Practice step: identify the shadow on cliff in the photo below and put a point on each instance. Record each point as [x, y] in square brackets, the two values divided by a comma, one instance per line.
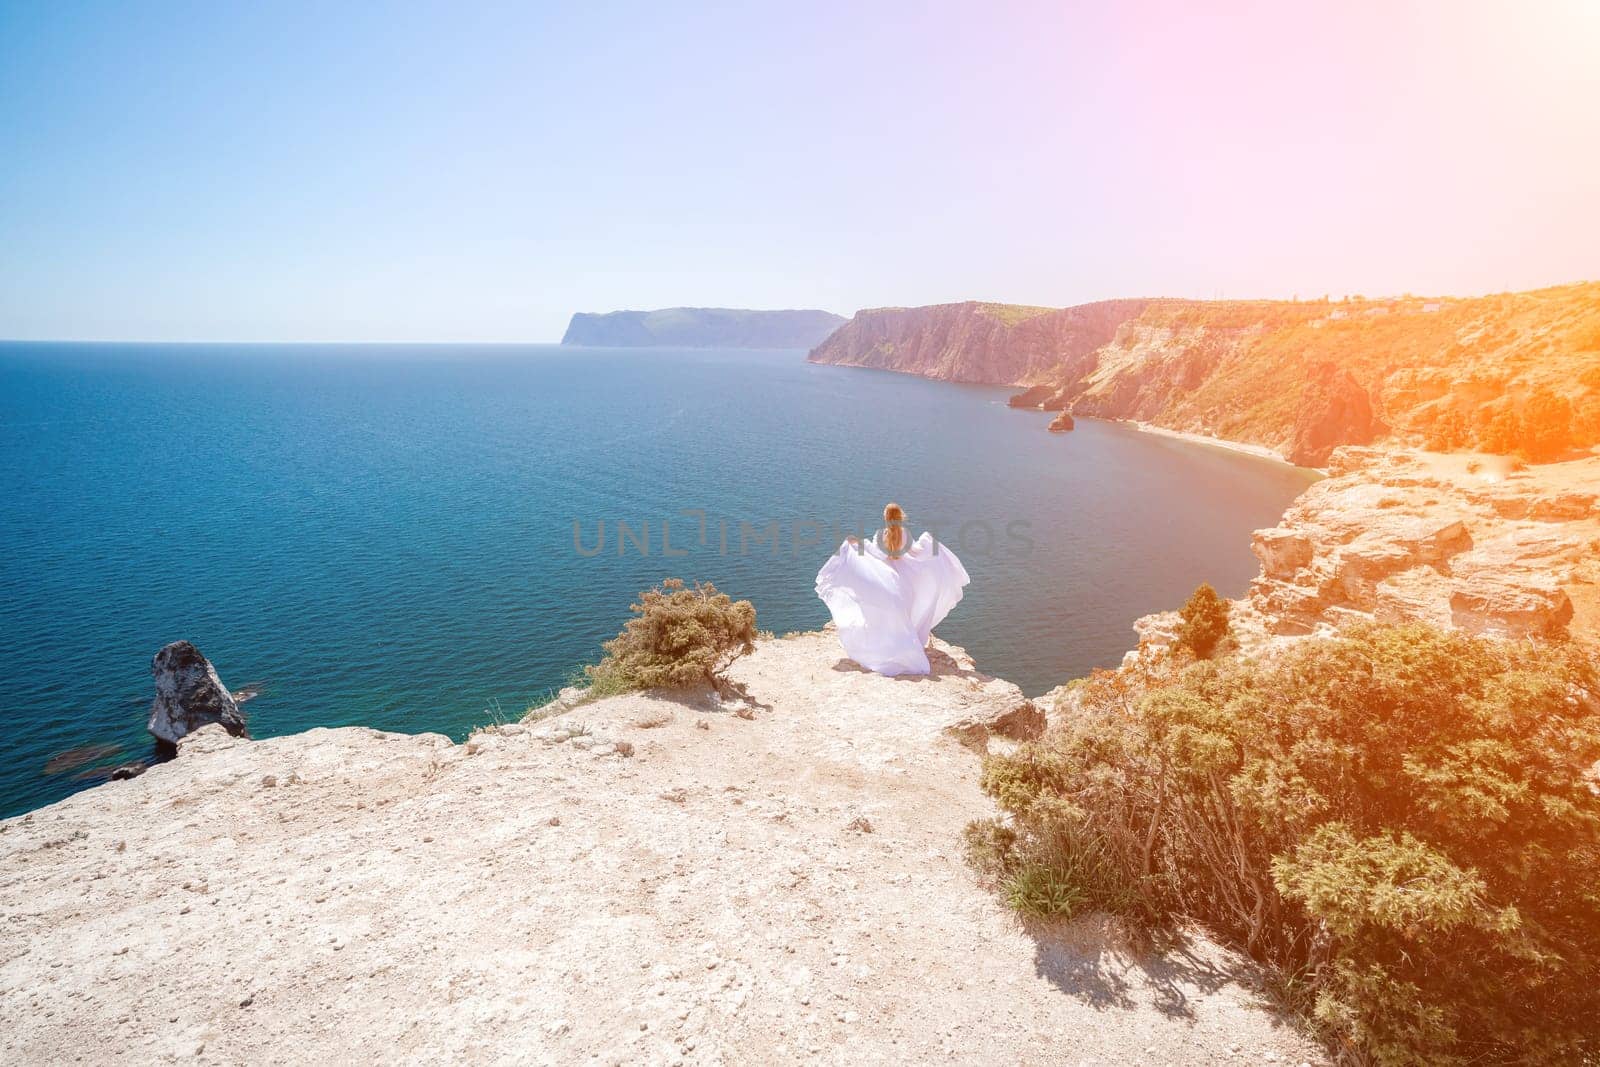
[726, 690]
[942, 664]
[1095, 959]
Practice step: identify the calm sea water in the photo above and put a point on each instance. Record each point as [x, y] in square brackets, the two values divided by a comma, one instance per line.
[383, 535]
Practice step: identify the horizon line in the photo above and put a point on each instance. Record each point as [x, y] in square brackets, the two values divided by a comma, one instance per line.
[1323, 298]
[227, 341]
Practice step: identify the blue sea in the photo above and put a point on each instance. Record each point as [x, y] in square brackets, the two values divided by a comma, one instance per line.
[384, 535]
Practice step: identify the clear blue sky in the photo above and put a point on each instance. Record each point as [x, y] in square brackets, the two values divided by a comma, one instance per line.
[478, 172]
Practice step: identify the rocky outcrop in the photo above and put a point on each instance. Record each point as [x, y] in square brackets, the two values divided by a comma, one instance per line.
[1062, 423]
[1334, 410]
[566, 698]
[989, 708]
[1021, 721]
[1458, 541]
[993, 344]
[1038, 398]
[639, 880]
[1283, 552]
[1512, 605]
[189, 695]
[702, 328]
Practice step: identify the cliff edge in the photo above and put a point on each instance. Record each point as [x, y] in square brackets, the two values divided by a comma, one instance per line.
[1459, 541]
[982, 343]
[639, 880]
[1472, 542]
[1511, 372]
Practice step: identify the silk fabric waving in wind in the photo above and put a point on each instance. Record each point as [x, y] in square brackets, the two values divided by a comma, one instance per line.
[885, 608]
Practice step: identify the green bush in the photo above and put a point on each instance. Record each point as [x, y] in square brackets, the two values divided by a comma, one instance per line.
[1546, 427]
[678, 637]
[1043, 891]
[1449, 432]
[1205, 621]
[1066, 873]
[1404, 820]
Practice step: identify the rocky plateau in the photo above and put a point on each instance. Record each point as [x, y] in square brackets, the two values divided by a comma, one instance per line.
[1474, 542]
[644, 879]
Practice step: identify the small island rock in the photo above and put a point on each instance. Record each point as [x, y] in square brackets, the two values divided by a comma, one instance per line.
[1061, 423]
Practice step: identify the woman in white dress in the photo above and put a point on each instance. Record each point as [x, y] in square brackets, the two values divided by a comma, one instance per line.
[887, 596]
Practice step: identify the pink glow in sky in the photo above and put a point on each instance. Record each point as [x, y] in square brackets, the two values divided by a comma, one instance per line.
[450, 172]
[1377, 147]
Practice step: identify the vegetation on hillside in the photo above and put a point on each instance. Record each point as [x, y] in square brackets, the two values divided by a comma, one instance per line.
[1011, 314]
[1515, 373]
[1403, 820]
[678, 636]
[975, 341]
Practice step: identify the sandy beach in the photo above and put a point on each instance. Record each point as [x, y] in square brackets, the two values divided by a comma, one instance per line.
[1260, 451]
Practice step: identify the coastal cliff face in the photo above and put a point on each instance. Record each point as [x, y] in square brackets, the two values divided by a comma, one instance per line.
[1511, 372]
[1458, 541]
[637, 880]
[1468, 542]
[702, 328]
[1304, 378]
[991, 344]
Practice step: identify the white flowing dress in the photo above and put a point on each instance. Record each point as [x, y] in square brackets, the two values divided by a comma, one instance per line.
[885, 608]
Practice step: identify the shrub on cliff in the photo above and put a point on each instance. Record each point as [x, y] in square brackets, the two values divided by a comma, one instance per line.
[1500, 431]
[1449, 431]
[1546, 427]
[1543, 430]
[1404, 820]
[1586, 421]
[678, 637]
[1204, 621]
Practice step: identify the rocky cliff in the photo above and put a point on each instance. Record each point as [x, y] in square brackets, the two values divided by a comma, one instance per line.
[638, 880]
[1458, 541]
[702, 328]
[1515, 372]
[1471, 542]
[993, 344]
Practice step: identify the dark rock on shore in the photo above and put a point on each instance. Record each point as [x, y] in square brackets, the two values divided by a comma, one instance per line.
[1035, 398]
[1061, 423]
[74, 758]
[189, 695]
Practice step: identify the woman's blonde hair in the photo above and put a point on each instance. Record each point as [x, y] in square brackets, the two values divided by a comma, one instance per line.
[894, 534]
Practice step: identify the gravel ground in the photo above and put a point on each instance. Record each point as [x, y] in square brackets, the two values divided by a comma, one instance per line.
[782, 887]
